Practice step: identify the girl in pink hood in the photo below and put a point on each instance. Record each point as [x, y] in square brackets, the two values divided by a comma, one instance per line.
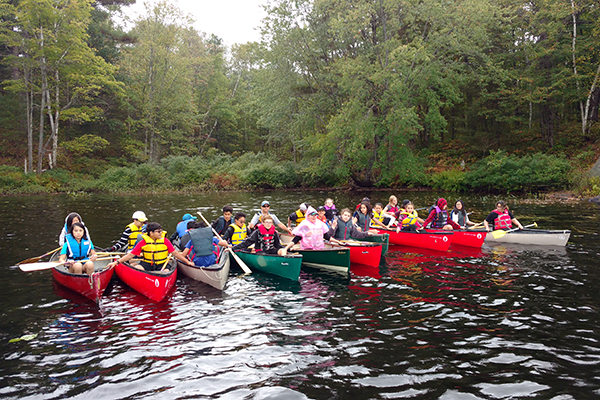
[310, 233]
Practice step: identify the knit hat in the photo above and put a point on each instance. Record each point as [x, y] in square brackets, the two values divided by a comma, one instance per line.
[441, 203]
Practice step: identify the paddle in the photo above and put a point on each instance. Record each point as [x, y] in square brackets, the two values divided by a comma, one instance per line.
[166, 262]
[50, 264]
[473, 226]
[237, 258]
[497, 234]
[36, 259]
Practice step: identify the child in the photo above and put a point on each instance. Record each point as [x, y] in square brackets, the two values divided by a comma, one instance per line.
[439, 218]
[459, 215]
[78, 248]
[265, 239]
[390, 211]
[342, 228]
[330, 211]
[321, 210]
[378, 215]
[408, 219]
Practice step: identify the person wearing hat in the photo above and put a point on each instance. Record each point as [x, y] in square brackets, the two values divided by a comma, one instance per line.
[130, 234]
[297, 216]
[182, 226]
[311, 233]
[265, 206]
[322, 211]
[439, 218]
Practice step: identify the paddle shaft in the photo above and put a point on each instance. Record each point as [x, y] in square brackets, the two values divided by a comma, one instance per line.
[51, 264]
[167, 262]
[497, 234]
[237, 258]
[36, 259]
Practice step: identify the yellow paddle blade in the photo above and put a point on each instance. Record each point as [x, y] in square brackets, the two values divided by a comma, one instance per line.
[498, 234]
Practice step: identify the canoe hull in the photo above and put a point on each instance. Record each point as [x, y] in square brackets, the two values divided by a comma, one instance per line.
[427, 240]
[365, 253]
[216, 275]
[464, 238]
[384, 240]
[154, 285]
[284, 266]
[332, 258]
[91, 287]
[537, 237]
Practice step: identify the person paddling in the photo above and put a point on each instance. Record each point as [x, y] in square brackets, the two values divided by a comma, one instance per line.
[130, 234]
[501, 218]
[154, 249]
[78, 251]
[69, 221]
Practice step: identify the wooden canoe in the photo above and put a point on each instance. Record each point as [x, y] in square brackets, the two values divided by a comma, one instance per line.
[539, 237]
[91, 287]
[153, 284]
[468, 238]
[428, 240]
[287, 266]
[215, 275]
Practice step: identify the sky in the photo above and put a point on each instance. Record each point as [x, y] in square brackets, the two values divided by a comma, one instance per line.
[234, 21]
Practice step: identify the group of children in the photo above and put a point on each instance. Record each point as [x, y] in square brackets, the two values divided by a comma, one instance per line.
[148, 241]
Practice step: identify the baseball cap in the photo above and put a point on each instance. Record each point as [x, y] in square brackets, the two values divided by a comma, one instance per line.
[140, 216]
[265, 203]
[187, 217]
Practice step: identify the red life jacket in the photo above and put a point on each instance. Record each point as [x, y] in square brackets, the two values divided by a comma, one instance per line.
[502, 221]
[267, 237]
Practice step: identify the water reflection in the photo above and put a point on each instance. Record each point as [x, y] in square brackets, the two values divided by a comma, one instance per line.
[496, 323]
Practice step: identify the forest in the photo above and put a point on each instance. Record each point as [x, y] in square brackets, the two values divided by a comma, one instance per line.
[464, 95]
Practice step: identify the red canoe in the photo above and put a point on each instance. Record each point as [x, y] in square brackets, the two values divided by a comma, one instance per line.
[427, 240]
[153, 284]
[465, 238]
[91, 287]
[364, 253]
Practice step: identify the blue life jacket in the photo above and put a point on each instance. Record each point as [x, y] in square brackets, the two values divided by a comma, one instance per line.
[78, 250]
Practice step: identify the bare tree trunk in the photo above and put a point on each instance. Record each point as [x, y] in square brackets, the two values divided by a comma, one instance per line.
[587, 121]
[41, 130]
[29, 105]
[574, 40]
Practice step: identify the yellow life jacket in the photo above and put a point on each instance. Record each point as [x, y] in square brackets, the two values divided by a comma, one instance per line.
[300, 216]
[378, 216]
[154, 252]
[408, 218]
[239, 234]
[135, 232]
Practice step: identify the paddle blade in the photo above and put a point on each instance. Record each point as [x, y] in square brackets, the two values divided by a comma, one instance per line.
[39, 266]
[498, 234]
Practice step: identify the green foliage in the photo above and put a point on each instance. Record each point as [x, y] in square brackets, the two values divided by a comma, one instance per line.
[85, 144]
[500, 172]
[450, 181]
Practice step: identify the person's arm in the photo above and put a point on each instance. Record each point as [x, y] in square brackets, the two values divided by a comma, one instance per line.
[430, 218]
[63, 253]
[295, 240]
[515, 221]
[253, 222]
[123, 240]
[489, 220]
[356, 234]
[284, 228]
[378, 223]
[249, 241]
[228, 233]
[93, 254]
[453, 224]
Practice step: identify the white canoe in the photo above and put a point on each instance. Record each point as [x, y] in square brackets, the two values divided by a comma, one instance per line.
[216, 275]
[538, 237]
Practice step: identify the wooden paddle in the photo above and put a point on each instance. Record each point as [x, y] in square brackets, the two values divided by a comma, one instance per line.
[166, 262]
[237, 258]
[473, 226]
[50, 264]
[497, 234]
[36, 259]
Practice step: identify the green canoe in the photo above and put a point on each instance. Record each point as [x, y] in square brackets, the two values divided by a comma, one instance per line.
[285, 266]
[332, 258]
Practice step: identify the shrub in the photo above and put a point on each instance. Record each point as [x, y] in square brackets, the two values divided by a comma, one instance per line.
[450, 181]
[500, 172]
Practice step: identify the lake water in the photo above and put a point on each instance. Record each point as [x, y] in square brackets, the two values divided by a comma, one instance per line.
[504, 322]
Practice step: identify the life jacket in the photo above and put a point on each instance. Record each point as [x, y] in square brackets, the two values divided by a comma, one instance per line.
[266, 238]
[460, 217]
[502, 221]
[364, 221]
[78, 250]
[239, 234]
[407, 218]
[300, 216]
[220, 225]
[344, 230]
[154, 252]
[441, 218]
[378, 216]
[135, 232]
[202, 240]
[330, 212]
[393, 209]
